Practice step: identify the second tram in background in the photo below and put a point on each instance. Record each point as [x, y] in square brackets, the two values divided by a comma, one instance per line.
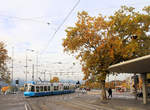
[45, 89]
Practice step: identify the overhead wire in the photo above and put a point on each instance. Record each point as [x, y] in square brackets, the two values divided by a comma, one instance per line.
[34, 20]
[23, 19]
[58, 28]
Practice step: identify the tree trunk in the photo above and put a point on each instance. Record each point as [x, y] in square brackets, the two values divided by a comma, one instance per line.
[103, 92]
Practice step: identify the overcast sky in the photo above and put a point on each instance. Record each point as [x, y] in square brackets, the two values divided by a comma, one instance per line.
[31, 24]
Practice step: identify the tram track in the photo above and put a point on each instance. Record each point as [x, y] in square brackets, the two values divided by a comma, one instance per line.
[84, 106]
[27, 106]
[101, 107]
[36, 103]
[64, 102]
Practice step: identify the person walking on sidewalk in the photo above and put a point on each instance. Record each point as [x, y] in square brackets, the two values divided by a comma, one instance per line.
[109, 92]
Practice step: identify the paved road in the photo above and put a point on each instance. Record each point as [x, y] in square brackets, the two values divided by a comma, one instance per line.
[65, 102]
[12, 102]
[123, 95]
[75, 101]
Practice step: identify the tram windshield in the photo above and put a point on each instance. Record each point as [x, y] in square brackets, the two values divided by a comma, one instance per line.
[25, 87]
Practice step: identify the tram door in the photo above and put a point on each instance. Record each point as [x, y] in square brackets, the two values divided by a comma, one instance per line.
[61, 87]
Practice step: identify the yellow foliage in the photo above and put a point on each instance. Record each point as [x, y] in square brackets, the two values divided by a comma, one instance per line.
[5, 75]
[54, 80]
[21, 88]
[100, 42]
[4, 89]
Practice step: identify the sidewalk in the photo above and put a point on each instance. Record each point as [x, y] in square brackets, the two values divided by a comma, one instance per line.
[125, 104]
[121, 101]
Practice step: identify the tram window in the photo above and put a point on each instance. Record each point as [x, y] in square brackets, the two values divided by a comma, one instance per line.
[41, 88]
[66, 87]
[45, 88]
[48, 88]
[32, 88]
[55, 87]
[37, 88]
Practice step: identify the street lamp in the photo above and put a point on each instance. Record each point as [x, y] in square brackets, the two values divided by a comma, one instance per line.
[27, 61]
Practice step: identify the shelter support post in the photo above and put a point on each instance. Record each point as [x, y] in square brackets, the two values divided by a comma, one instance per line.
[144, 88]
[135, 86]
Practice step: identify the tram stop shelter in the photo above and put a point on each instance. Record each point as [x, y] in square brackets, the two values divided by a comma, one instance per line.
[139, 65]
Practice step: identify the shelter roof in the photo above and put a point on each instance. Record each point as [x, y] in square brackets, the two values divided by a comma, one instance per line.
[137, 65]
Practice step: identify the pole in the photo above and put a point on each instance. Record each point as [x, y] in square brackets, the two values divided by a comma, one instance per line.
[144, 88]
[50, 76]
[33, 72]
[26, 66]
[12, 63]
[135, 86]
[37, 66]
[108, 81]
[115, 82]
[44, 76]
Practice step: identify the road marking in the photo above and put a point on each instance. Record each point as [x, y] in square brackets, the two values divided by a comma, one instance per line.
[25, 106]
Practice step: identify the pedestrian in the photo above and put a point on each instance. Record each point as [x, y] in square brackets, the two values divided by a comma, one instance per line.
[109, 92]
[83, 90]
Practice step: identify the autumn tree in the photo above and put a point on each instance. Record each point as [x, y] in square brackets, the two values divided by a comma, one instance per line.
[99, 42]
[132, 29]
[54, 80]
[4, 74]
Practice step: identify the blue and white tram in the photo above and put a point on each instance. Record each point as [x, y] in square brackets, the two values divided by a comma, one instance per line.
[33, 89]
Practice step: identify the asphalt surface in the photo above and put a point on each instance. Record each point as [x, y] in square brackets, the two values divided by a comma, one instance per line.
[74, 101]
[12, 102]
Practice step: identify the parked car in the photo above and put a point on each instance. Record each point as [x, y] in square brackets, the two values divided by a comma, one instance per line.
[88, 89]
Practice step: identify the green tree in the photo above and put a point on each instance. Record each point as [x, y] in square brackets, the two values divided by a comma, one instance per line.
[99, 42]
